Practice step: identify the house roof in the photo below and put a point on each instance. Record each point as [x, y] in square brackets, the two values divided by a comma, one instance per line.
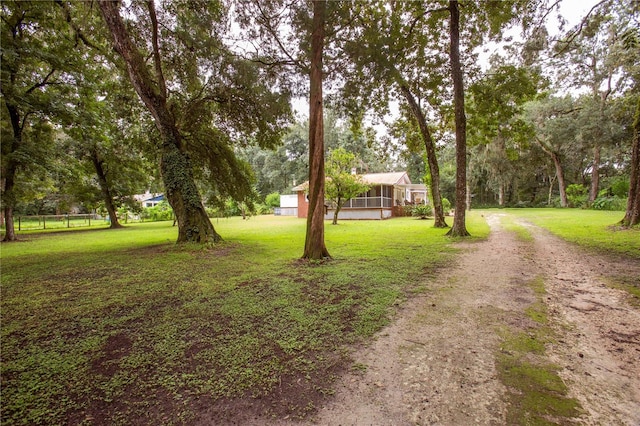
[156, 198]
[390, 178]
[301, 187]
[148, 196]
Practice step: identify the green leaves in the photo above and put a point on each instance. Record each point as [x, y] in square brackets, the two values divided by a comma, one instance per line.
[342, 184]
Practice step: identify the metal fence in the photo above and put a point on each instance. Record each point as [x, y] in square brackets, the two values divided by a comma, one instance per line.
[27, 223]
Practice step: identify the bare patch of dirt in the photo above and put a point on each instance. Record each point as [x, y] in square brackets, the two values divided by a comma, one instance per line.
[435, 364]
[294, 398]
[115, 348]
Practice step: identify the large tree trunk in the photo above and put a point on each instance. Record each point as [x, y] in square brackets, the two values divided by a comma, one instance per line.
[183, 196]
[459, 228]
[8, 200]
[632, 215]
[104, 189]
[177, 174]
[10, 231]
[432, 160]
[9, 175]
[314, 247]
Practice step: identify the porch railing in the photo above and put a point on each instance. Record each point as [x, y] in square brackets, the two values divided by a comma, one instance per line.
[368, 202]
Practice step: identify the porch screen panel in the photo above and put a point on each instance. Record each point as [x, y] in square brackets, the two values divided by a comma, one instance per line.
[374, 202]
[359, 203]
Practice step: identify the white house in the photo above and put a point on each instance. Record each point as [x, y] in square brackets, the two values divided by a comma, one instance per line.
[388, 194]
[288, 205]
[148, 199]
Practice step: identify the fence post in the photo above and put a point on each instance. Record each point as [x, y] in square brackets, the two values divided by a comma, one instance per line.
[68, 226]
[44, 222]
[89, 220]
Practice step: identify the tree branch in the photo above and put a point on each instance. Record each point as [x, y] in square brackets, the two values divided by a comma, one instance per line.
[42, 83]
[572, 35]
[347, 24]
[266, 19]
[422, 15]
[156, 49]
[79, 33]
[24, 119]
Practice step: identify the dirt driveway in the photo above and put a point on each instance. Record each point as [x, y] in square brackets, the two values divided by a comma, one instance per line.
[436, 363]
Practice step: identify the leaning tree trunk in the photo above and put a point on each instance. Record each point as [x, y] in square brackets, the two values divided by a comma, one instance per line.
[632, 214]
[104, 189]
[459, 228]
[314, 247]
[182, 194]
[177, 174]
[432, 160]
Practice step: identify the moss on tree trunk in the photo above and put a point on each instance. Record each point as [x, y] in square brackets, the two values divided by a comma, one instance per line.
[180, 188]
[183, 196]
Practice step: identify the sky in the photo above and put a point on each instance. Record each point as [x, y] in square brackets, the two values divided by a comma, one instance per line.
[573, 12]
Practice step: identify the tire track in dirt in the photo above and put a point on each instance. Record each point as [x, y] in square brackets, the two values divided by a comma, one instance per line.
[600, 348]
[434, 365]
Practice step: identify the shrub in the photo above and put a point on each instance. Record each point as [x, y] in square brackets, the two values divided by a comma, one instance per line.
[421, 211]
[272, 200]
[446, 205]
[620, 187]
[407, 210]
[161, 211]
[610, 203]
[577, 195]
[264, 208]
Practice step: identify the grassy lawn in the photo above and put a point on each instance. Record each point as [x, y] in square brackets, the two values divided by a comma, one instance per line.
[589, 228]
[122, 326]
